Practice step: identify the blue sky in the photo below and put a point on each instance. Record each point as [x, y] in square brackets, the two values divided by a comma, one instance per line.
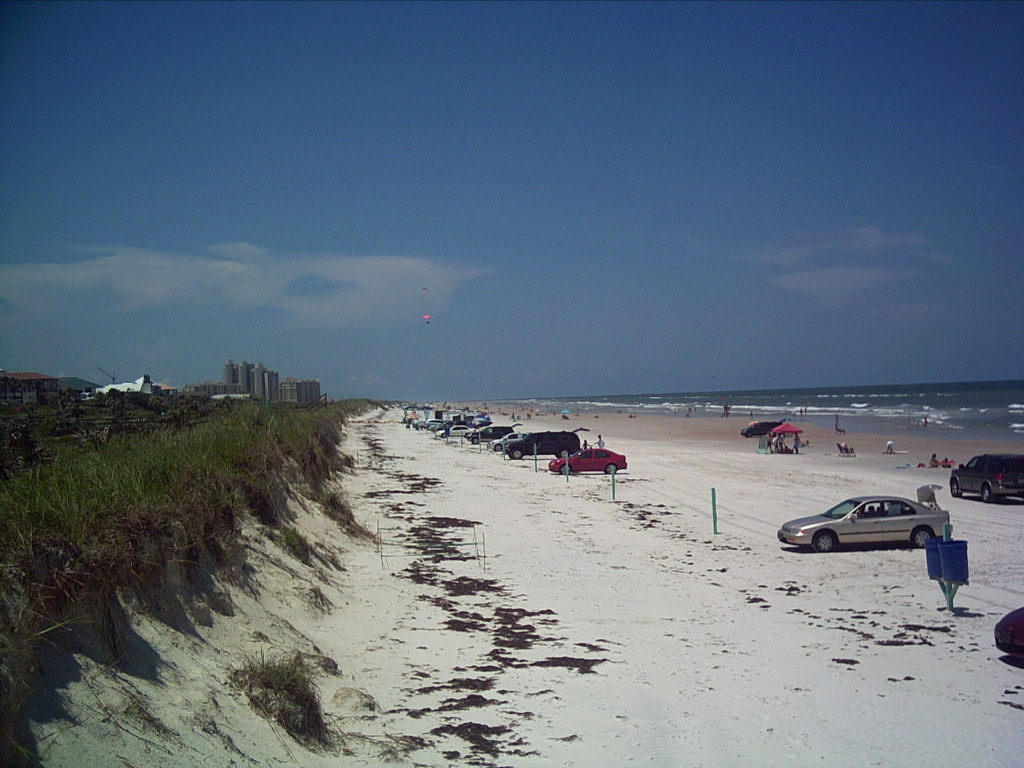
[586, 198]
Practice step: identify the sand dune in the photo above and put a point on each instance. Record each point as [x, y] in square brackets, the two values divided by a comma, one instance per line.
[600, 632]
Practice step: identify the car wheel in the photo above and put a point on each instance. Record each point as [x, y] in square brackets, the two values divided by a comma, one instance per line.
[497, 448]
[954, 488]
[824, 541]
[517, 454]
[610, 469]
[920, 536]
[986, 493]
[475, 440]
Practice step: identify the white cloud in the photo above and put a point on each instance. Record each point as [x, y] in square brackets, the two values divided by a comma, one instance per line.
[840, 286]
[904, 313]
[873, 239]
[845, 243]
[323, 289]
[237, 250]
[783, 256]
[849, 265]
[941, 258]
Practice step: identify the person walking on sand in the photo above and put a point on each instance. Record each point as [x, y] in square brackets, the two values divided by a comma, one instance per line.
[600, 442]
[888, 446]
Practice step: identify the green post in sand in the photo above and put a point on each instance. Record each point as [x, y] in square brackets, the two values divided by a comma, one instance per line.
[534, 455]
[714, 511]
[614, 472]
[567, 469]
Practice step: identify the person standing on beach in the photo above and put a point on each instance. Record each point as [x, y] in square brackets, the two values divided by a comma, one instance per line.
[600, 442]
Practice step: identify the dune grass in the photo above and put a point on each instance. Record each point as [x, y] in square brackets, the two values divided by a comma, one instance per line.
[113, 515]
[282, 689]
[93, 502]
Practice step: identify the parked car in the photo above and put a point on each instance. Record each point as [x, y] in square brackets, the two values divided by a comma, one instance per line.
[1010, 633]
[430, 425]
[591, 460]
[498, 446]
[488, 433]
[543, 443]
[758, 428]
[454, 430]
[992, 475]
[869, 519]
[481, 421]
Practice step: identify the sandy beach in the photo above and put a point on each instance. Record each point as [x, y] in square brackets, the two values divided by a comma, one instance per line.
[512, 617]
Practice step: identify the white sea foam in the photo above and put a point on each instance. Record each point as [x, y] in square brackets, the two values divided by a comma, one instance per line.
[954, 409]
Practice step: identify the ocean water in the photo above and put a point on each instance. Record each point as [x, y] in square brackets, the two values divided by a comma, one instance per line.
[969, 410]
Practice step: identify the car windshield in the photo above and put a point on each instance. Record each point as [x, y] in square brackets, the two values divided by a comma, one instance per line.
[841, 510]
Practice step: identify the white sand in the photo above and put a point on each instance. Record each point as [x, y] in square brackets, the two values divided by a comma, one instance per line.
[702, 649]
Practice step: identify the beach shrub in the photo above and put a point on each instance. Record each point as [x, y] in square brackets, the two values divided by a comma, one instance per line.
[282, 689]
[296, 543]
[339, 510]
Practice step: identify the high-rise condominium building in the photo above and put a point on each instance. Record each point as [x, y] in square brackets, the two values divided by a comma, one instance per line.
[300, 391]
[255, 379]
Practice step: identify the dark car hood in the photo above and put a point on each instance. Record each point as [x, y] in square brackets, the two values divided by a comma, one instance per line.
[1015, 618]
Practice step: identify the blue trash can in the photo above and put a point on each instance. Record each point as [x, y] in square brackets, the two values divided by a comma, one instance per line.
[931, 554]
[953, 557]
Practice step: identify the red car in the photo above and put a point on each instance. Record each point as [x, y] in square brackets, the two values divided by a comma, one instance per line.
[591, 460]
[1010, 633]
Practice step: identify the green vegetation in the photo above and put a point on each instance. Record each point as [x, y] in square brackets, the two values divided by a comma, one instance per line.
[297, 544]
[338, 509]
[283, 690]
[84, 518]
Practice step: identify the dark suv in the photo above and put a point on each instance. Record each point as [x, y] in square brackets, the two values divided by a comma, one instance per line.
[553, 443]
[991, 474]
[488, 433]
[758, 428]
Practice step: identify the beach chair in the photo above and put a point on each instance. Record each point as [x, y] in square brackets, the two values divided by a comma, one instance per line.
[845, 450]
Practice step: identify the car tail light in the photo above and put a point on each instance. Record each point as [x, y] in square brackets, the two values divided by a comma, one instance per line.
[999, 477]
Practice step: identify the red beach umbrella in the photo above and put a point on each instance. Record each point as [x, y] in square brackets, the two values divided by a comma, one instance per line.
[786, 429]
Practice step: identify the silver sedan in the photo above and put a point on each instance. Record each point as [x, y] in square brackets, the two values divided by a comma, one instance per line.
[869, 519]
